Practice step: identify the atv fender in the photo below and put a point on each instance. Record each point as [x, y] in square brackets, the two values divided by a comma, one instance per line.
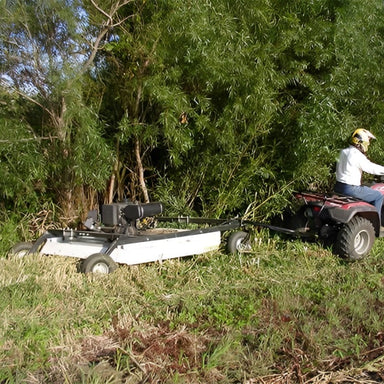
[362, 209]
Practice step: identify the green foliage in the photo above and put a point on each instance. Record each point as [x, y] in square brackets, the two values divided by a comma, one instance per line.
[261, 89]
[59, 142]
[50, 29]
[12, 229]
[22, 168]
[221, 105]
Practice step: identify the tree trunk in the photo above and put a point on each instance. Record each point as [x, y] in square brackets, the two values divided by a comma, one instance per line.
[112, 182]
[140, 170]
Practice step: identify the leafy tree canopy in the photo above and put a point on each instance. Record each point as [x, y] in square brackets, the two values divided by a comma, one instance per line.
[212, 106]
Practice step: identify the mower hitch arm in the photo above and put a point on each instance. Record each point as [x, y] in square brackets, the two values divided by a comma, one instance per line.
[274, 228]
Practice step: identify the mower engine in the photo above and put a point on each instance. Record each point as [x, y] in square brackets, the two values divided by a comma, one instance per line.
[123, 217]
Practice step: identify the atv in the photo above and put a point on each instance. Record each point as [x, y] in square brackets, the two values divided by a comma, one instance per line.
[347, 224]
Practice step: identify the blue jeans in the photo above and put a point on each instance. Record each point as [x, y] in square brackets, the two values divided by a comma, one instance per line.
[367, 194]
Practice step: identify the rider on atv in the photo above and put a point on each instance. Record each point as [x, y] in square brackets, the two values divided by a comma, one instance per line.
[350, 166]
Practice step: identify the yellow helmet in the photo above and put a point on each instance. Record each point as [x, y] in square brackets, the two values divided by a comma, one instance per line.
[361, 138]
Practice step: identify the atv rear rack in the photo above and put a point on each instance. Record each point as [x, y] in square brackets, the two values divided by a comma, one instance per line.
[334, 198]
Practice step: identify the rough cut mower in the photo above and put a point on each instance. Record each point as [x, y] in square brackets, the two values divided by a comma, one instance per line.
[116, 236]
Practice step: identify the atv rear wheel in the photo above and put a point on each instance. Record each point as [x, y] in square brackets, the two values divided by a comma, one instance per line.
[238, 242]
[355, 239]
[98, 263]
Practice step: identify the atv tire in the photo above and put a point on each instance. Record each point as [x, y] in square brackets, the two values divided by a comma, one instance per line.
[98, 263]
[355, 239]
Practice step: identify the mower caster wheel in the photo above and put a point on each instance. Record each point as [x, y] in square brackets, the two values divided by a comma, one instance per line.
[98, 263]
[238, 242]
[20, 250]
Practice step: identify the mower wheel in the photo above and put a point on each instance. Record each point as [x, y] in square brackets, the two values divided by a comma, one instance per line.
[98, 263]
[355, 239]
[20, 249]
[238, 242]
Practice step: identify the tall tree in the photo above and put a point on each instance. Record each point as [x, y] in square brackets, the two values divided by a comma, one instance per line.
[47, 50]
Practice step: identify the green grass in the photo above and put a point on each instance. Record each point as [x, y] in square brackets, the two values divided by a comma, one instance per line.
[288, 308]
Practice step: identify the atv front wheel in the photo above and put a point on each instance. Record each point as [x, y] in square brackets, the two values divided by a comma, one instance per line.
[98, 263]
[355, 239]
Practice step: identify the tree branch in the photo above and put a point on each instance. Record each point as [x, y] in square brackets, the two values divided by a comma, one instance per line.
[107, 25]
[102, 11]
[29, 139]
[32, 100]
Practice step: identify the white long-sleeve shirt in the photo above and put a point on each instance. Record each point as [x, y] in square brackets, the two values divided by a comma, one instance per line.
[352, 163]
